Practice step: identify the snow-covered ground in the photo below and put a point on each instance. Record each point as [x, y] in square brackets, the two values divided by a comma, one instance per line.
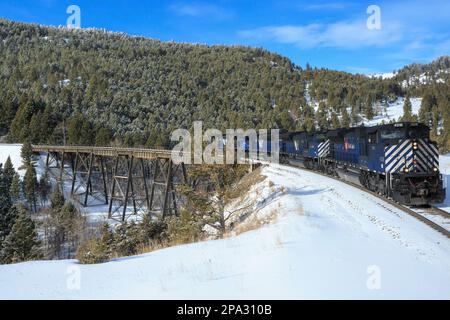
[387, 75]
[329, 240]
[12, 151]
[425, 78]
[394, 110]
[384, 114]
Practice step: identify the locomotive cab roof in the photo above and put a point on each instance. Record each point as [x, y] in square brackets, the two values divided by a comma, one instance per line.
[410, 129]
[399, 125]
[401, 130]
[340, 133]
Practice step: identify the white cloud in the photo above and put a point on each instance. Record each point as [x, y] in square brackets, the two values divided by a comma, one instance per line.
[344, 34]
[200, 10]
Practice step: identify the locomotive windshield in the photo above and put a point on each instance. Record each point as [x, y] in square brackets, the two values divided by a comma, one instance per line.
[417, 133]
[393, 133]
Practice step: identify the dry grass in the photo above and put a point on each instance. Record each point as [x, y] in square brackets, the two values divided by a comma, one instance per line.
[253, 223]
[157, 245]
[245, 184]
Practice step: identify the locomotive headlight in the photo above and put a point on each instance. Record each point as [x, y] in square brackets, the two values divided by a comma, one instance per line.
[415, 146]
[406, 170]
[435, 169]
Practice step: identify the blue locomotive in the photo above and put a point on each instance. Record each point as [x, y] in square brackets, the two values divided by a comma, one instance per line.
[398, 160]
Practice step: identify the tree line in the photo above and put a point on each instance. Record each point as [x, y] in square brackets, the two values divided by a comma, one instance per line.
[97, 87]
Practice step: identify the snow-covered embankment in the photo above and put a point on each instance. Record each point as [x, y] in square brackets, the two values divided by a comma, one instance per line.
[328, 240]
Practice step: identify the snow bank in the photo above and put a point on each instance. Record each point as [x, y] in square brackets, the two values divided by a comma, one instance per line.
[329, 240]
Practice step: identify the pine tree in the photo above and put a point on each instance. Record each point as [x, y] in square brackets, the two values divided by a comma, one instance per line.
[8, 172]
[5, 205]
[30, 185]
[368, 108]
[335, 123]
[407, 110]
[44, 187]
[6, 223]
[35, 128]
[26, 153]
[14, 190]
[209, 204]
[435, 117]
[345, 118]
[321, 116]
[22, 243]
[87, 135]
[286, 121]
[103, 137]
[57, 201]
[355, 115]
[126, 239]
[69, 225]
[97, 250]
[426, 107]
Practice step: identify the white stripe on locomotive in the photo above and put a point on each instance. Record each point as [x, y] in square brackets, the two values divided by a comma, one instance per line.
[397, 155]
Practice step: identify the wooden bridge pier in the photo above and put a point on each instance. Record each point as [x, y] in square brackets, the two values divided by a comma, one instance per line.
[117, 176]
[86, 166]
[55, 161]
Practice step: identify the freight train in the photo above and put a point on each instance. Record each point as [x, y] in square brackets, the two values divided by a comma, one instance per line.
[397, 160]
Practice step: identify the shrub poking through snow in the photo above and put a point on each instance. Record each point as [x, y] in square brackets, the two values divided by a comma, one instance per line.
[96, 250]
[92, 251]
[184, 229]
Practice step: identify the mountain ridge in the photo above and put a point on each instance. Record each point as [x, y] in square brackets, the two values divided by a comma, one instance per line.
[133, 90]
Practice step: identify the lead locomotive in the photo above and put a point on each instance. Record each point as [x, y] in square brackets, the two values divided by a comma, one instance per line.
[397, 160]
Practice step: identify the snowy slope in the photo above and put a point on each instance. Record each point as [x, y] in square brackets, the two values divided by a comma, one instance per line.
[387, 75]
[13, 151]
[393, 111]
[330, 240]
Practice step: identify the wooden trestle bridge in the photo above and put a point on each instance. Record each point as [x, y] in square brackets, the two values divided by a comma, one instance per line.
[142, 179]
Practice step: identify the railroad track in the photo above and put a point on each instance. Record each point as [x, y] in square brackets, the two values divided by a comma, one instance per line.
[403, 208]
[440, 212]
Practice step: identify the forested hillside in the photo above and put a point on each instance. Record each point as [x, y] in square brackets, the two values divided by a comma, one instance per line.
[92, 86]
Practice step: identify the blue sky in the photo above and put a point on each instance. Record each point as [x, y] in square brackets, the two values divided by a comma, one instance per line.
[331, 34]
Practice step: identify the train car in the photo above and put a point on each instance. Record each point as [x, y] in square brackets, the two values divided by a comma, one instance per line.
[287, 144]
[346, 153]
[398, 160]
[253, 146]
[410, 162]
[308, 149]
